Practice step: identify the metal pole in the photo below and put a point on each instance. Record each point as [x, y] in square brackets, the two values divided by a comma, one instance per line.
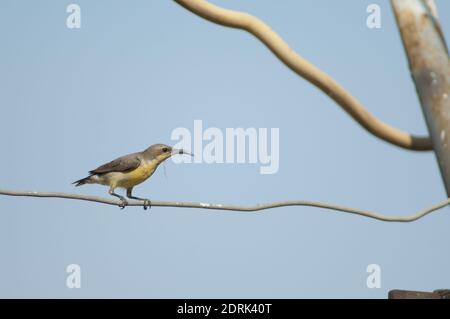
[429, 63]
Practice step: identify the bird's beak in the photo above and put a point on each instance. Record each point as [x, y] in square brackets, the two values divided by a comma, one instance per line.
[181, 151]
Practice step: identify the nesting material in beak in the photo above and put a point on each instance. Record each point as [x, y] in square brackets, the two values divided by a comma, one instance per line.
[181, 152]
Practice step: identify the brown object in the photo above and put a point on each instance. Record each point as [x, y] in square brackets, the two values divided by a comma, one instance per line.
[409, 294]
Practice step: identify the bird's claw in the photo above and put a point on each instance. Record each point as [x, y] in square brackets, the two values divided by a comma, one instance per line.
[123, 203]
[147, 204]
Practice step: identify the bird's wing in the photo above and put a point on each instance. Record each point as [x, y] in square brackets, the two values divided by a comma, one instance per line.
[122, 164]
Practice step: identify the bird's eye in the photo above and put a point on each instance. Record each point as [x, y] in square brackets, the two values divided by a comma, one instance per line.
[165, 149]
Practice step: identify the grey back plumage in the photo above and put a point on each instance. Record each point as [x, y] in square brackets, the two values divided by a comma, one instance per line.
[124, 163]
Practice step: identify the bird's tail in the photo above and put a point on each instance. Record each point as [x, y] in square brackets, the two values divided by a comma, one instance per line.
[82, 181]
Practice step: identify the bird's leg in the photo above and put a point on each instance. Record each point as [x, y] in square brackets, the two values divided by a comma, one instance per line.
[147, 202]
[124, 201]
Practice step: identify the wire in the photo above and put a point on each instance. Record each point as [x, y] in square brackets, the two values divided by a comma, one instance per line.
[225, 207]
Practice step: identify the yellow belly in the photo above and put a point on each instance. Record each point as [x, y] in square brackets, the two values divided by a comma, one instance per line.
[133, 178]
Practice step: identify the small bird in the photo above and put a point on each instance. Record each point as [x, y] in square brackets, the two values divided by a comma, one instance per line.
[130, 170]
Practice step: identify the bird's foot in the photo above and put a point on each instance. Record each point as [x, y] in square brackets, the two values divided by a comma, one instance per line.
[147, 203]
[123, 203]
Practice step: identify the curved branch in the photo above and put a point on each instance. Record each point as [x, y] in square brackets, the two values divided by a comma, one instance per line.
[308, 71]
[239, 208]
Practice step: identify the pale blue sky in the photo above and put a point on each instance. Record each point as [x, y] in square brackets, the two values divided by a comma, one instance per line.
[74, 99]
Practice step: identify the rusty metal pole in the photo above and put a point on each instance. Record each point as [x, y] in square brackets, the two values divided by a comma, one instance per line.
[430, 68]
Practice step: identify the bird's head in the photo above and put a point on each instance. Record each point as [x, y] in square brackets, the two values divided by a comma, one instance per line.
[161, 152]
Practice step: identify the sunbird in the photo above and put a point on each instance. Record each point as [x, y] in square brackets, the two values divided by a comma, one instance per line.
[130, 170]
